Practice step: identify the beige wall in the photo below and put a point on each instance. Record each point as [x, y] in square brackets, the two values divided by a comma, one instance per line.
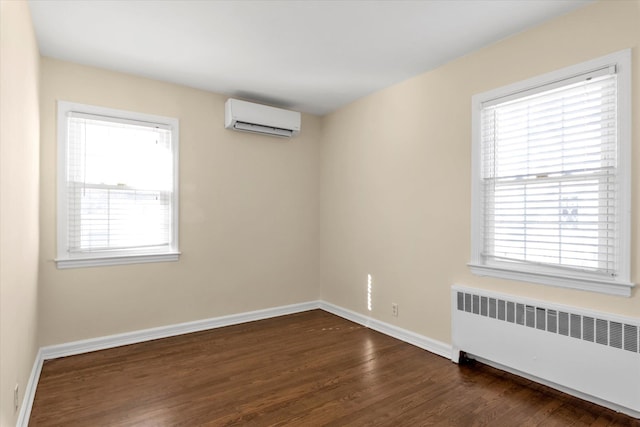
[248, 216]
[19, 148]
[395, 176]
[379, 187]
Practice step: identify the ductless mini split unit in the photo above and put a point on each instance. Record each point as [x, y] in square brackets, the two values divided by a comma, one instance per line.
[256, 118]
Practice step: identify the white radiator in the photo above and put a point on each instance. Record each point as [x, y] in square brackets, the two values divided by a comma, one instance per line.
[589, 354]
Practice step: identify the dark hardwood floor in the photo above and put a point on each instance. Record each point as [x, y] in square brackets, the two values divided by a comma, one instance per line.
[305, 369]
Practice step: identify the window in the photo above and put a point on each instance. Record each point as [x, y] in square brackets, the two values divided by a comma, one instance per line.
[551, 178]
[117, 187]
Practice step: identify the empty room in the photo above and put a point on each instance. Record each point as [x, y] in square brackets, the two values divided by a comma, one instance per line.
[319, 213]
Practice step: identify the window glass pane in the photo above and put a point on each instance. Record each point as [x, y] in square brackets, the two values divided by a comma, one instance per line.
[119, 184]
[549, 172]
[120, 154]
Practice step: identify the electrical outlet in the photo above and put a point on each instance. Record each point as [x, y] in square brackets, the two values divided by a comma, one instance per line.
[394, 309]
[16, 391]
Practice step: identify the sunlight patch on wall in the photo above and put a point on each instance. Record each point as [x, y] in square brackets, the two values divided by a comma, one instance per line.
[369, 288]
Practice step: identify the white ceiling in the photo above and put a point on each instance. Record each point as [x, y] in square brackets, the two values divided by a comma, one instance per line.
[310, 56]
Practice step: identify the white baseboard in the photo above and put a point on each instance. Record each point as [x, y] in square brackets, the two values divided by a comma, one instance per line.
[421, 341]
[30, 391]
[101, 343]
[111, 341]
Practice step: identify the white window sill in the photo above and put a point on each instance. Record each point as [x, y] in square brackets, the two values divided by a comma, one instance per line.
[100, 261]
[585, 283]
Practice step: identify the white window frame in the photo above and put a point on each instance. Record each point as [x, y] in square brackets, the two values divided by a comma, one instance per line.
[65, 259]
[528, 272]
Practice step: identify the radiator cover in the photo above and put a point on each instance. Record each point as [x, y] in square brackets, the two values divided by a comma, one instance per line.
[592, 353]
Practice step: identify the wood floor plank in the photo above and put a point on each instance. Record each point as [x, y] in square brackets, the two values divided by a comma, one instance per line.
[306, 369]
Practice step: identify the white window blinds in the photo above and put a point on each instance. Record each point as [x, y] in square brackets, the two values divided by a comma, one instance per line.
[549, 171]
[119, 178]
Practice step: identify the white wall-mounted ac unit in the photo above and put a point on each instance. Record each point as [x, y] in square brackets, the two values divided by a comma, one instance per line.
[249, 117]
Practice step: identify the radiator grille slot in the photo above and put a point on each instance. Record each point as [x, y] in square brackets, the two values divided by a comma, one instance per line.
[541, 319]
[601, 331]
[520, 314]
[615, 334]
[631, 338]
[576, 326]
[587, 328]
[552, 321]
[529, 316]
[563, 327]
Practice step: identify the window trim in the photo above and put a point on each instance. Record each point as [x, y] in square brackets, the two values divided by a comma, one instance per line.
[619, 285]
[65, 260]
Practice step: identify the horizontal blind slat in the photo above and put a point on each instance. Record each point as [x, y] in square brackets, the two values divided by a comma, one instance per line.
[119, 183]
[549, 165]
[593, 76]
